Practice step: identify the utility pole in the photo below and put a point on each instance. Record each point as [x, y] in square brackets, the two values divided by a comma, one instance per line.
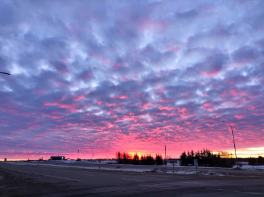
[165, 156]
[233, 140]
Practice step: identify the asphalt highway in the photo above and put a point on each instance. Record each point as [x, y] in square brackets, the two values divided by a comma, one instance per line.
[44, 180]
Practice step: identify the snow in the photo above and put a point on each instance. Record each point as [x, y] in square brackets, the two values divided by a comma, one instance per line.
[123, 167]
[164, 170]
[74, 161]
[175, 164]
[249, 167]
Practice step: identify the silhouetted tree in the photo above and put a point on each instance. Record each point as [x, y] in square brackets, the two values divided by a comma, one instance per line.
[123, 158]
[184, 159]
[205, 158]
[136, 159]
[260, 160]
[126, 158]
[147, 160]
[150, 160]
[252, 161]
[159, 160]
[119, 157]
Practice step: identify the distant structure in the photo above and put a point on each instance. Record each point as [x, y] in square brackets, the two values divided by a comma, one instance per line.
[57, 158]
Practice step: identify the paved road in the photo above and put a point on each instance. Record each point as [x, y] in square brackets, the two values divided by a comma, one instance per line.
[63, 181]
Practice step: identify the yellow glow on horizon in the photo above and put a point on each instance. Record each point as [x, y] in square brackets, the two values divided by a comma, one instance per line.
[248, 152]
[142, 154]
[241, 153]
[14, 160]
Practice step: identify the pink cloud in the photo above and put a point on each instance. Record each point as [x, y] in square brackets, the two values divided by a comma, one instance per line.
[239, 116]
[146, 105]
[69, 107]
[211, 74]
[78, 98]
[111, 104]
[207, 104]
[233, 91]
[182, 109]
[99, 102]
[166, 108]
[166, 101]
[120, 97]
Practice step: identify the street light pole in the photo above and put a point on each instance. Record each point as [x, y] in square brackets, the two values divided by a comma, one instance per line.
[233, 139]
[4, 73]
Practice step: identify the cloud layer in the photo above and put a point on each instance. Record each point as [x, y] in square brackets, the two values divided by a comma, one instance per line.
[107, 76]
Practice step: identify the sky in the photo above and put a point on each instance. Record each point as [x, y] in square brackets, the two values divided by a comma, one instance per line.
[134, 76]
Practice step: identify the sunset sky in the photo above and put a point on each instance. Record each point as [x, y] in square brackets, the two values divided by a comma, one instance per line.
[127, 75]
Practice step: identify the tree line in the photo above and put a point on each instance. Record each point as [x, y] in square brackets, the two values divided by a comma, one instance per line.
[206, 157]
[125, 158]
[256, 161]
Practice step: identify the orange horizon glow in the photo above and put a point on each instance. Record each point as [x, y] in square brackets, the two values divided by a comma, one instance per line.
[241, 153]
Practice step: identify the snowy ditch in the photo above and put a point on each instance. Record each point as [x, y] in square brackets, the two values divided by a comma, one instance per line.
[164, 170]
[124, 168]
[249, 167]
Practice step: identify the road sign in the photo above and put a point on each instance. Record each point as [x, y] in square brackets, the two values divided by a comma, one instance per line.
[195, 161]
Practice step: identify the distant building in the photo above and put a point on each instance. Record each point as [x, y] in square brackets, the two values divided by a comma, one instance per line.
[57, 158]
[175, 161]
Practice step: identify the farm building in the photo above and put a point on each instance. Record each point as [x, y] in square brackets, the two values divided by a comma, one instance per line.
[57, 158]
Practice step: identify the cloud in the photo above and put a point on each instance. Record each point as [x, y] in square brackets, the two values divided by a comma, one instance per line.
[245, 54]
[118, 76]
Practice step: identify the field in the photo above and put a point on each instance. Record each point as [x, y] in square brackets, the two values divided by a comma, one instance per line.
[49, 178]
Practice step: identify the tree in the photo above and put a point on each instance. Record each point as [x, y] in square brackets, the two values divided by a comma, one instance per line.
[252, 161]
[147, 160]
[260, 160]
[159, 160]
[119, 157]
[150, 160]
[123, 158]
[136, 159]
[126, 158]
[206, 158]
[184, 159]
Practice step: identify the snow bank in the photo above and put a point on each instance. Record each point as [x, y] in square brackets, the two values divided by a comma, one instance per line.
[249, 167]
[123, 168]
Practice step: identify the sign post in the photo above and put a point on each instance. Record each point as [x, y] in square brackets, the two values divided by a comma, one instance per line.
[195, 162]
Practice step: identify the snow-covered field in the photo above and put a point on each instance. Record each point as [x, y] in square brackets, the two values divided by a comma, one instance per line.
[80, 167]
[82, 161]
[130, 168]
[103, 166]
[249, 167]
